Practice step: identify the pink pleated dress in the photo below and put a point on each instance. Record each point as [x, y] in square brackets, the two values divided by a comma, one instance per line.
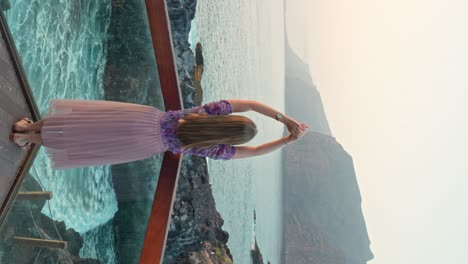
[81, 133]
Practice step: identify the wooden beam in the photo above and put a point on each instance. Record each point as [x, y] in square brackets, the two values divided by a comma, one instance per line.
[164, 52]
[34, 195]
[36, 242]
[158, 225]
[157, 229]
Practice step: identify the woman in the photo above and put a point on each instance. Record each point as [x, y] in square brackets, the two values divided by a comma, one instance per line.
[79, 133]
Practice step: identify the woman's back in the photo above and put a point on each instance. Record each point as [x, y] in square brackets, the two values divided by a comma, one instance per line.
[170, 122]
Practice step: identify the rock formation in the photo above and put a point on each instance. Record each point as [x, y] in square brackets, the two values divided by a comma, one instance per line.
[257, 257]
[303, 101]
[323, 220]
[322, 215]
[198, 73]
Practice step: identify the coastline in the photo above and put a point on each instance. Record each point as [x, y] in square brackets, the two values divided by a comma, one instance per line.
[130, 75]
[320, 188]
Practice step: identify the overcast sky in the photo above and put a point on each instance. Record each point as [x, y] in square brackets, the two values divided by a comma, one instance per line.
[393, 76]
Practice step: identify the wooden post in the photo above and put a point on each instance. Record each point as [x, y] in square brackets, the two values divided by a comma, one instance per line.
[35, 242]
[34, 196]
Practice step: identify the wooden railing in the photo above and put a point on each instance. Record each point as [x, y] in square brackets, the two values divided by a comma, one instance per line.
[157, 229]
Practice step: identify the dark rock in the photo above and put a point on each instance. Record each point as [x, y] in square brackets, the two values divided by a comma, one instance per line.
[75, 241]
[5, 4]
[130, 73]
[257, 257]
[198, 73]
[194, 217]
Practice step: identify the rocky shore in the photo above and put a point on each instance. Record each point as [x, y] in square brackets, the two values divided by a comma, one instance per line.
[195, 233]
[198, 73]
[257, 257]
[196, 225]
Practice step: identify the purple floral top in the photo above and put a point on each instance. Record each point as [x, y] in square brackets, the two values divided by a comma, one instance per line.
[170, 121]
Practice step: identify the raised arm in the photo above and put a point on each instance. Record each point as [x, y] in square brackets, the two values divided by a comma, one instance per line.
[296, 129]
[243, 105]
[250, 151]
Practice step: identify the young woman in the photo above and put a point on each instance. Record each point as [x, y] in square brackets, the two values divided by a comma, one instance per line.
[79, 133]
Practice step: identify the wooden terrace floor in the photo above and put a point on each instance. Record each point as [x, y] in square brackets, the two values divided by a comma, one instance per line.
[16, 102]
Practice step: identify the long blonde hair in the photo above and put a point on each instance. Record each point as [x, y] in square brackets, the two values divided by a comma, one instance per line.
[202, 131]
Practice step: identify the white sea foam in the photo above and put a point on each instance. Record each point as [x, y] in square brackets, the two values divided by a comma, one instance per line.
[63, 54]
[63, 50]
[193, 35]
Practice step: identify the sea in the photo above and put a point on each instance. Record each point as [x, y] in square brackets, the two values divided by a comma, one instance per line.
[62, 44]
[243, 48]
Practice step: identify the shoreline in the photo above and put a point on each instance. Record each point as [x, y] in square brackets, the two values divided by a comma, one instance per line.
[130, 75]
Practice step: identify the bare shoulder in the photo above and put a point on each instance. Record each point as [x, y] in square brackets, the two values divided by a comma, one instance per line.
[245, 152]
[241, 105]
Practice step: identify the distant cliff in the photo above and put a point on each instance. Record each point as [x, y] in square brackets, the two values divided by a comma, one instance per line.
[303, 101]
[323, 220]
[322, 215]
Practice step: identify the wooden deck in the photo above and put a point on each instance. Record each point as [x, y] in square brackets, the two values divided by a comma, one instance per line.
[16, 102]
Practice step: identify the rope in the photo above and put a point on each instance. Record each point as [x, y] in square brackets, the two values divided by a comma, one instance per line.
[53, 222]
[37, 256]
[32, 217]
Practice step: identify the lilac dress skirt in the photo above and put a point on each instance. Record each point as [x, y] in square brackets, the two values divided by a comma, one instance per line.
[80, 133]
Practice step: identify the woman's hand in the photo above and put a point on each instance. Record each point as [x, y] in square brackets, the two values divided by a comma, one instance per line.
[295, 136]
[291, 138]
[296, 128]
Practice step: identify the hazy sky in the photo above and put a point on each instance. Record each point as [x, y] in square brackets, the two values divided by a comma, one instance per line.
[393, 76]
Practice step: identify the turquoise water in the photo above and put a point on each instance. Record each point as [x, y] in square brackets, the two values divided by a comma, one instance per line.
[243, 47]
[66, 62]
[62, 45]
